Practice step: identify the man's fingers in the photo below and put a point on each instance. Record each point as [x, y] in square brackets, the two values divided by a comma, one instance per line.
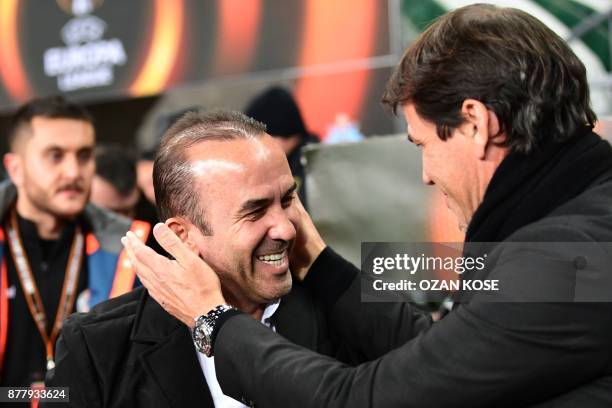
[173, 245]
[148, 276]
[143, 253]
[144, 260]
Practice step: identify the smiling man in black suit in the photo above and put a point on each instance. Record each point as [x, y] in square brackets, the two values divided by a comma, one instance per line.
[225, 188]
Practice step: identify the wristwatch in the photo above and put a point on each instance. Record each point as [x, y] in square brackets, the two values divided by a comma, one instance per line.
[203, 329]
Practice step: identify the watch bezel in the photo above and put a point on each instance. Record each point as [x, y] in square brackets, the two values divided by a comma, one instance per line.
[203, 329]
[202, 333]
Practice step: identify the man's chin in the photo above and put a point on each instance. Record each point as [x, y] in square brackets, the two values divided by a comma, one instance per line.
[67, 211]
[278, 289]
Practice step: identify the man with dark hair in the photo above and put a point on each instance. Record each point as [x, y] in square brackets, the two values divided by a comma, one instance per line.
[58, 253]
[499, 106]
[114, 185]
[224, 187]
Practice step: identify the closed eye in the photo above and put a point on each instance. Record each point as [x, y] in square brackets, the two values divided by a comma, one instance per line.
[286, 202]
[256, 214]
[289, 195]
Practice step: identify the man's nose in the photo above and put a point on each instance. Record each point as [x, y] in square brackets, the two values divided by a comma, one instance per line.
[71, 167]
[282, 228]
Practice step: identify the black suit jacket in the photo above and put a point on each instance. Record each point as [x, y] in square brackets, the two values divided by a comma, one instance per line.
[500, 354]
[128, 352]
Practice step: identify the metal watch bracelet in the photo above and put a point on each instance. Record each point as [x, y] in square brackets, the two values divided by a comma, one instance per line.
[203, 329]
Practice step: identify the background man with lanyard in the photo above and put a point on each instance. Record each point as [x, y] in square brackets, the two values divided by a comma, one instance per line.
[48, 232]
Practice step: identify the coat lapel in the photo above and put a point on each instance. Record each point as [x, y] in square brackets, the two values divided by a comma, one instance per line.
[170, 358]
[296, 320]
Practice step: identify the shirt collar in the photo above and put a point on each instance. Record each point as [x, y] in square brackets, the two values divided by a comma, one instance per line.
[269, 312]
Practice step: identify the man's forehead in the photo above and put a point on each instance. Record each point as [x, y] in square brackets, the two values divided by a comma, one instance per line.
[215, 166]
[250, 162]
[61, 130]
[215, 148]
[231, 154]
[45, 124]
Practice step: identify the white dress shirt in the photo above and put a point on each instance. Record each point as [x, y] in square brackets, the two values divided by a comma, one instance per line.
[208, 367]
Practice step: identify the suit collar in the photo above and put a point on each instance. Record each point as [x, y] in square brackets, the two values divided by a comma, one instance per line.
[170, 358]
[296, 320]
[152, 324]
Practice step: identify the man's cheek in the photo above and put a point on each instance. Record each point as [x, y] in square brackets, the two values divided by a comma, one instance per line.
[293, 216]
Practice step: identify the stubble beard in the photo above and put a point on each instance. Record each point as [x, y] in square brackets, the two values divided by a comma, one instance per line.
[41, 201]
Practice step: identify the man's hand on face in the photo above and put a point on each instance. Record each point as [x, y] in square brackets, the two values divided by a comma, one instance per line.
[308, 244]
[185, 287]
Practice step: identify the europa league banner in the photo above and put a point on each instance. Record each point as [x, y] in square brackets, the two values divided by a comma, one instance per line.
[89, 49]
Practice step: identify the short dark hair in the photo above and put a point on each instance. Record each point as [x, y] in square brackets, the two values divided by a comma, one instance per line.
[172, 174]
[503, 57]
[55, 107]
[117, 165]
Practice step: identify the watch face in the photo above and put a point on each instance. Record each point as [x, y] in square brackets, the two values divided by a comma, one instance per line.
[202, 336]
[203, 329]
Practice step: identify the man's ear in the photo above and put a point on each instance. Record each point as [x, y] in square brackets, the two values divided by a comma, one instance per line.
[480, 123]
[180, 227]
[14, 167]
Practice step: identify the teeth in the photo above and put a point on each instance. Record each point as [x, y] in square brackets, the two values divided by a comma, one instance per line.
[273, 259]
[275, 263]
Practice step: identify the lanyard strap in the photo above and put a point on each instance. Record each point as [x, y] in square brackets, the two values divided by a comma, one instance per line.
[31, 292]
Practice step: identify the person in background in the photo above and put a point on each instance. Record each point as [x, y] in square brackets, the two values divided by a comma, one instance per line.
[59, 253]
[144, 175]
[276, 108]
[114, 184]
